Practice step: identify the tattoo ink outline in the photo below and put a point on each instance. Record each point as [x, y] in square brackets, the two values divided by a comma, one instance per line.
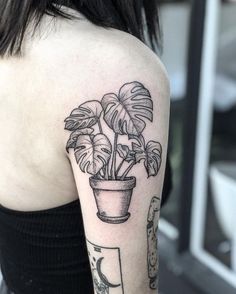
[125, 113]
[98, 248]
[152, 242]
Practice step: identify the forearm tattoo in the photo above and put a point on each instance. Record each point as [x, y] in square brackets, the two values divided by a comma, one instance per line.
[152, 241]
[102, 260]
[107, 161]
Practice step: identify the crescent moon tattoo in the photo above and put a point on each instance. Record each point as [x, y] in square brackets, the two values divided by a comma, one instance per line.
[103, 277]
[102, 283]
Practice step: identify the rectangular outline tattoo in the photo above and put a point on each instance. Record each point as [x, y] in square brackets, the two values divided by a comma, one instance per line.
[105, 285]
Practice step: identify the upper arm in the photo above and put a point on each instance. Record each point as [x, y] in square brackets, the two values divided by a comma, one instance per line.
[117, 141]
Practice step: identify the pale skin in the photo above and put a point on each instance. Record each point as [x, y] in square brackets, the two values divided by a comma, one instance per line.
[38, 91]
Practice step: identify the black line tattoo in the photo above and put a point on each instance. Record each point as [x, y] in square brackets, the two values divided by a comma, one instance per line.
[106, 160]
[105, 281]
[152, 241]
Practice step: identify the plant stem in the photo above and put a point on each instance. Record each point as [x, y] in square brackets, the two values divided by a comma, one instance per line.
[106, 172]
[120, 165]
[127, 170]
[101, 132]
[100, 126]
[113, 165]
[101, 174]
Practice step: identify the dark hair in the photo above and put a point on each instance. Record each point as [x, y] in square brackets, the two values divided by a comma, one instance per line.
[127, 15]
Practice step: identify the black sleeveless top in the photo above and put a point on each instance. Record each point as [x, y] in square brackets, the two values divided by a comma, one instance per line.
[44, 251]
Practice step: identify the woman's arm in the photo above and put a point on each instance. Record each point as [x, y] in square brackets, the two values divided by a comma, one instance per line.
[116, 144]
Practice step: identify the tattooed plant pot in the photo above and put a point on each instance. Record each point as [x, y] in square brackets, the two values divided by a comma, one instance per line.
[108, 162]
[117, 211]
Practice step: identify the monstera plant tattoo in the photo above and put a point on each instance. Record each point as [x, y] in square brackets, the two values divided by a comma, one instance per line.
[109, 162]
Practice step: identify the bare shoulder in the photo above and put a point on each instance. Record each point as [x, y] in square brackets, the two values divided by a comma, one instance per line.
[130, 57]
[109, 58]
[89, 51]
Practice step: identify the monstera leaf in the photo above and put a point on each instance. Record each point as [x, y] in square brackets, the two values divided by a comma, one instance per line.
[125, 153]
[85, 116]
[92, 152]
[151, 154]
[74, 136]
[126, 112]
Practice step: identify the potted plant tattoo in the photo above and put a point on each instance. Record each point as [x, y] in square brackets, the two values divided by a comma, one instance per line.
[108, 162]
